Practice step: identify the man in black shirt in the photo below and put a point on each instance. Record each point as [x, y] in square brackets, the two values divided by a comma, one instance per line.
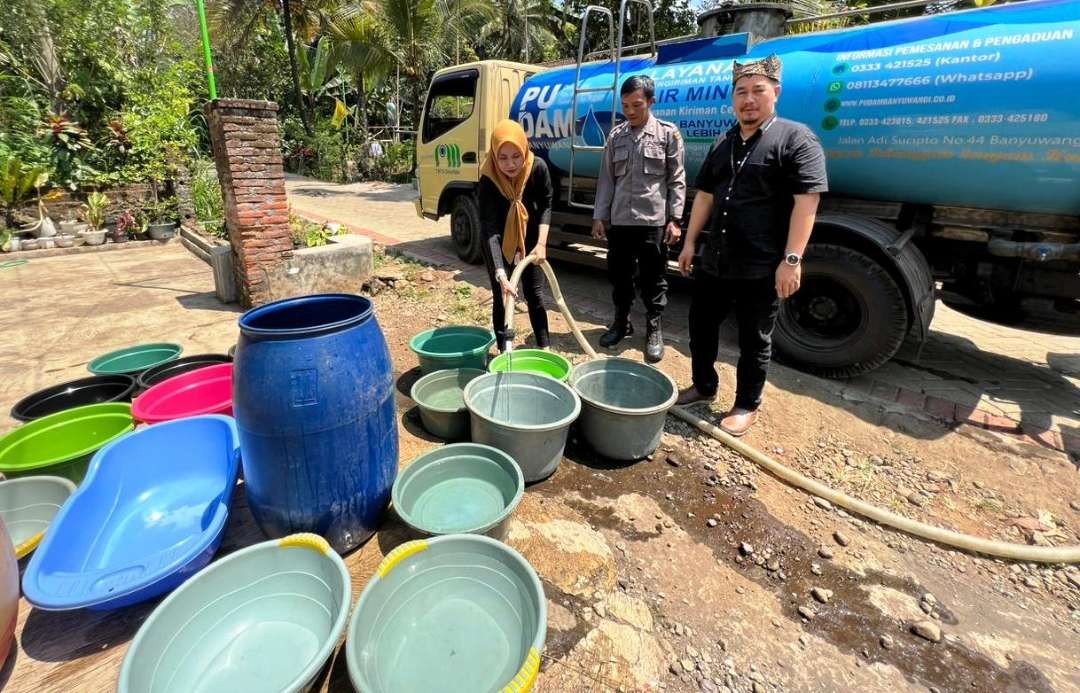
[758, 194]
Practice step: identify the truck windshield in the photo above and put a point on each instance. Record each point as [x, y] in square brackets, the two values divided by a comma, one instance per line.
[450, 102]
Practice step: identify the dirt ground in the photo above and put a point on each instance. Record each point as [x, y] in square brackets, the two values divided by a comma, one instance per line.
[691, 570]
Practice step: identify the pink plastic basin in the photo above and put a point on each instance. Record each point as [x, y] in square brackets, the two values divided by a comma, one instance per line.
[202, 391]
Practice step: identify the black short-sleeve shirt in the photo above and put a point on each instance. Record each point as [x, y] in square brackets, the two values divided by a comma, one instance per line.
[750, 217]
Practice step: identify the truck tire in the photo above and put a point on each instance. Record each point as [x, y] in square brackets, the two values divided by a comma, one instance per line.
[848, 317]
[465, 229]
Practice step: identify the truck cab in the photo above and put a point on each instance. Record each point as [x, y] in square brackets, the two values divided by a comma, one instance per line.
[463, 105]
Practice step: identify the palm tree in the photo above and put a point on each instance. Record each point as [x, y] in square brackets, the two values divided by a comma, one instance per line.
[363, 44]
[235, 19]
[413, 36]
[518, 30]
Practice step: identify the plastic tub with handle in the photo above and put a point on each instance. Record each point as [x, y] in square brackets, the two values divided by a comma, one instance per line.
[29, 504]
[265, 618]
[461, 612]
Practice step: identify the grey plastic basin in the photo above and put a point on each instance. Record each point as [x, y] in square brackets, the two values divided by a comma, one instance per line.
[525, 415]
[28, 505]
[463, 488]
[441, 399]
[624, 404]
[461, 613]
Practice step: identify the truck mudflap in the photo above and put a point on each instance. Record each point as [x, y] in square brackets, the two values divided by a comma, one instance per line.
[904, 258]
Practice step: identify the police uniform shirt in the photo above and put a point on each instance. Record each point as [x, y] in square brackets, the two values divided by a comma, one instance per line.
[642, 180]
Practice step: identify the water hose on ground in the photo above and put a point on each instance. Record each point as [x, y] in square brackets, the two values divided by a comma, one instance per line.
[958, 540]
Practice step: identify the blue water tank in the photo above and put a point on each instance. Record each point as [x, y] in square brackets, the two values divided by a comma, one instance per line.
[975, 108]
[314, 401]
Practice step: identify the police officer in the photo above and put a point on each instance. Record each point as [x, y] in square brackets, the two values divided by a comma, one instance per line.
[639, 202]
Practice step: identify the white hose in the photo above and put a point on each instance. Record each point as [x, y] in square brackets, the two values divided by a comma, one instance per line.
[966, 542]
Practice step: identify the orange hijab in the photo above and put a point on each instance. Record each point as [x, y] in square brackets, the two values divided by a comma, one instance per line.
[517, 217]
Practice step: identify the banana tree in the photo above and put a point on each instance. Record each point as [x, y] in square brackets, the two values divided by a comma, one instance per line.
[318, 71]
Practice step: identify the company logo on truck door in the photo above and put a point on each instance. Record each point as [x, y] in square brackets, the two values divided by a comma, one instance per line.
[448, 156]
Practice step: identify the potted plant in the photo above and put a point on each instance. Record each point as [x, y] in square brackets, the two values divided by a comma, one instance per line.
[95, 218]
[163, 214]
[126, 225]
[72, 227]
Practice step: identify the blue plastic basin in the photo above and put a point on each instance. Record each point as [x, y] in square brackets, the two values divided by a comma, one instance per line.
[150, 513]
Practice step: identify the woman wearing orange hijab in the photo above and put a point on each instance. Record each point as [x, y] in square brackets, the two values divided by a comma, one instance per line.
[515, 211]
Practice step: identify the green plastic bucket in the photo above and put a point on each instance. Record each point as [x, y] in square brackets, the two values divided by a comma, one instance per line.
[441, 399]
[62, 444]
[28, 505]
[533, 361]
[464, 488]
[454, 346]
[462, 612]
[265, 618]
[135, 359]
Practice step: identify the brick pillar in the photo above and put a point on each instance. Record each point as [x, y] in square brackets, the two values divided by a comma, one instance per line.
[247, 154]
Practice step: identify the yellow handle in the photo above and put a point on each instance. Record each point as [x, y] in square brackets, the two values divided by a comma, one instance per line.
[526, 676]
[308, 541]
[400, 554]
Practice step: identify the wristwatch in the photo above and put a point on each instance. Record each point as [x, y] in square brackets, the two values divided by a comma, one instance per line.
[793, 259]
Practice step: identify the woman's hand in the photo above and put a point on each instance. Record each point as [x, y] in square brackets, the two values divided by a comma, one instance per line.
[540, 251]
[504, 282]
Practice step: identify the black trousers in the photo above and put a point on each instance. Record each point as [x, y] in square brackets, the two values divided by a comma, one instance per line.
[640, 251]
[756, 305]
[531, 288]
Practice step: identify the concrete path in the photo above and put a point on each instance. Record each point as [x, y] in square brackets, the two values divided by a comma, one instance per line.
[1016, 382]
[63, 311]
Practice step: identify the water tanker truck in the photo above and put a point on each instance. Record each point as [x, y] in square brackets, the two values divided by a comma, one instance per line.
[953, 145]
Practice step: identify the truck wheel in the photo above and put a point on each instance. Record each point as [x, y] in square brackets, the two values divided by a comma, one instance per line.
[465, 229]
[848, 317]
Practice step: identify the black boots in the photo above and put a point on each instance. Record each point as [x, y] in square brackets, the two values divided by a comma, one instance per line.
[654, 340]
[619, 329]
[654, 337]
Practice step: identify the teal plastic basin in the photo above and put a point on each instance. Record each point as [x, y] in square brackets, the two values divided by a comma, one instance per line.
[265, 618]
[461, 488]
[462, 613]
[135, 359]
[453, 346]
[441, 399]
[532, 361]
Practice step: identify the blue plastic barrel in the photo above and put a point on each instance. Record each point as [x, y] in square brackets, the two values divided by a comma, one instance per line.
[313, 397]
